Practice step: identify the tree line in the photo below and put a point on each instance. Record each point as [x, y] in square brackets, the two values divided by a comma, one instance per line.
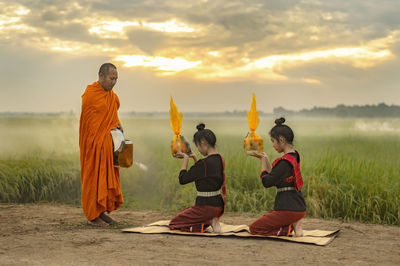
[343, 111]
[380, 110]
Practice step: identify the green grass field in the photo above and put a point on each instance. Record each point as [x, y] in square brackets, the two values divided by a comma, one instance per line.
[350, 167]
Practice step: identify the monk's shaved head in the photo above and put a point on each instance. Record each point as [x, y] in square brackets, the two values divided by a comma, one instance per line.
[108, 76]
[105, 68]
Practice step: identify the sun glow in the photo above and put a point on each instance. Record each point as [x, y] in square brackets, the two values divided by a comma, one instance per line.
[311, 81]
[212, 66]
[114, 29]
[361, 57]
[71, 47]
[10, 20]
[4, 20]
[169, 26]
[168, 65]
[22, 11]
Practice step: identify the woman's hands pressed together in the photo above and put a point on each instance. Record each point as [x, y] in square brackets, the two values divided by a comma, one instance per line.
[185, 157]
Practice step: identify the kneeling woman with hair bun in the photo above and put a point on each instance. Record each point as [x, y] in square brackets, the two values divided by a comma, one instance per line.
[209, 177]
[289, 207]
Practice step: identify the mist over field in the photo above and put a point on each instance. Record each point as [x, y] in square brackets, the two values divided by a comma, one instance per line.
[350, 166]
[60, 135]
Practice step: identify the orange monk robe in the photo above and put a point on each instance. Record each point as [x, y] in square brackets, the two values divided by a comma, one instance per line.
[101, 189]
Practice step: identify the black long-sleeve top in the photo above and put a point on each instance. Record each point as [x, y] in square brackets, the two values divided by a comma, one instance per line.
[207, 175]
[291, 200]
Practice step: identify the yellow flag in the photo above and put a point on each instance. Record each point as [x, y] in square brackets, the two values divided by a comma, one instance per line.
[253, 142]
[175, 118]
[252, 115]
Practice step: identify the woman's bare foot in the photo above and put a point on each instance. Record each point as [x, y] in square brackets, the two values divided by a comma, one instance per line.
[107, 218]
[98, 222]
[298, 228]
[215, 225]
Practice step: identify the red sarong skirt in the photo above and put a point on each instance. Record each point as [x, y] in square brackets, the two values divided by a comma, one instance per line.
[276, 223]
[195, 218]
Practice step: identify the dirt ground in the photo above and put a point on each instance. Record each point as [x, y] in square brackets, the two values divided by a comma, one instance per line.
[50, 234]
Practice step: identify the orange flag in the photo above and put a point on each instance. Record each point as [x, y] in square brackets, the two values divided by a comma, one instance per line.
[175, 118]
[178, 143]
[101, 189]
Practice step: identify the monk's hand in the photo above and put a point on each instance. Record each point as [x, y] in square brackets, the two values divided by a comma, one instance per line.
[120, 128]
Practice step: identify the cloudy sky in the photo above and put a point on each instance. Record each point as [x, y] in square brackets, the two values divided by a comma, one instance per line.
[209, 55]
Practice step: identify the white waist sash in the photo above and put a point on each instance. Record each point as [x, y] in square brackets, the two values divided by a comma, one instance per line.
[208, 193]
[286, 189]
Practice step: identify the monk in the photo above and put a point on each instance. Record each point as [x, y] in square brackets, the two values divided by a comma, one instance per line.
[101, 189]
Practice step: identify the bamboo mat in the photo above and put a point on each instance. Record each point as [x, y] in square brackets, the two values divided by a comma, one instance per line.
[316, 237]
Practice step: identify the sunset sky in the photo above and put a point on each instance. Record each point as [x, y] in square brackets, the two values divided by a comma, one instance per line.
[209, 55]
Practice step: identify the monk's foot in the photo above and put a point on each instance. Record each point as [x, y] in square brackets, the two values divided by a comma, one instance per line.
[215, 225]
[107, 218]
[98, 222]
[298, 228]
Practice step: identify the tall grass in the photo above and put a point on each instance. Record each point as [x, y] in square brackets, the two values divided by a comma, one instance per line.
[355, 178]
[35, 179]
[348, 174]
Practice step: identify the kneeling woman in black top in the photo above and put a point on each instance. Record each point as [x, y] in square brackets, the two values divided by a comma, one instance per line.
[285, 174]
[209, 177]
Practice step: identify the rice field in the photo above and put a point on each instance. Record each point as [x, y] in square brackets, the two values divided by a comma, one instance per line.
[350, 167]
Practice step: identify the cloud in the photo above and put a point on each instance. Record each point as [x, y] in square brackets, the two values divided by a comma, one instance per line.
[311, 81]
[117, 29]
[269, 67]
[168, 66]
[308, 42]
[209, 39]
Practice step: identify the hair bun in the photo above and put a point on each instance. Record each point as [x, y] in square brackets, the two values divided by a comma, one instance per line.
[200, 126]
[280, 121]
